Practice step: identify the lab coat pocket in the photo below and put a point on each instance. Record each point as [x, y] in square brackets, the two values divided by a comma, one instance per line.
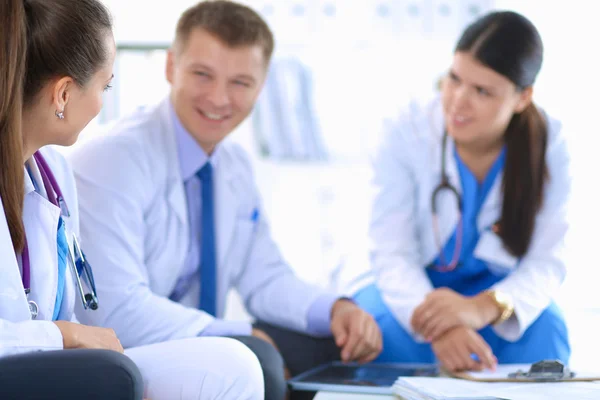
[490, 249]
[240, 247]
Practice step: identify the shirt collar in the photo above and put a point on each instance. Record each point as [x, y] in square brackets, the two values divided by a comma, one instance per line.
[191, 155]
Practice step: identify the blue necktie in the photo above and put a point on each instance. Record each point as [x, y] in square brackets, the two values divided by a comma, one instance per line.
[63, 248]
[208, 265]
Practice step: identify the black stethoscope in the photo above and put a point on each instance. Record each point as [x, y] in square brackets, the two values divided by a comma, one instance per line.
[76, 258]
[445, 184]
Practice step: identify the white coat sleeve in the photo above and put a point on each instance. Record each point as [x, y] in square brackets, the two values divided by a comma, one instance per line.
[542, 270]
[113, 183]
[268, 286]
[393, 236]
[27, 336]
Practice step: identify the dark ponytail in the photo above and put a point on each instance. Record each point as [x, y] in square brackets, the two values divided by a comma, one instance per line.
[510, 44]
[41, 40]
[525, 172]
[12, 63]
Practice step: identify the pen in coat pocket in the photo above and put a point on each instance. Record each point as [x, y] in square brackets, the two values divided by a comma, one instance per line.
[255, 215]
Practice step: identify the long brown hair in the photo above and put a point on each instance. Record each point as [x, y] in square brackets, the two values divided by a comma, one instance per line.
[12, 64]
[510, 44]
[42, 40]
[524, 177]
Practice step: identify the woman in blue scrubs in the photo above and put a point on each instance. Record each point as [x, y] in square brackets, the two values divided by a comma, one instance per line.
[469, 217]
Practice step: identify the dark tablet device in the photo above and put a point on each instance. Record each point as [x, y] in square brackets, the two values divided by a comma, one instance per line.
[370, 378]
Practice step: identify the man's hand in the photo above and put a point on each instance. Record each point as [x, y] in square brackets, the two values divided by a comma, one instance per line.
[355, 332]
[77, 336]
[444, 309]
[456, 348]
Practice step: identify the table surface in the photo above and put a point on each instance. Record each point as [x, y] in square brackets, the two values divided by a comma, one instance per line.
[352, 396]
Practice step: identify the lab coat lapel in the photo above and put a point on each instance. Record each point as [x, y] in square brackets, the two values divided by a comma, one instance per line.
[446, 201]
[177, 200]
[492, 206]
[176, 189]
[41, 224]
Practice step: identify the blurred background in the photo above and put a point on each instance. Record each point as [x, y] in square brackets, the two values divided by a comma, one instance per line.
[340, 67]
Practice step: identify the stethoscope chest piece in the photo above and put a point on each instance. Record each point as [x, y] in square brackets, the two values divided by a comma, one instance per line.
[33, 309]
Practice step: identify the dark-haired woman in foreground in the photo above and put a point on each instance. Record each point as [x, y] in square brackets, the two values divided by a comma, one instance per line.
[55, 64]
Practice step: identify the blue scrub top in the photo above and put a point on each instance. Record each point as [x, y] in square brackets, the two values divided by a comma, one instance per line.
[471, 275]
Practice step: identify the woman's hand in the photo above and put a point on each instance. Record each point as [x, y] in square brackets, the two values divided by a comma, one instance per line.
[444, 309]
[463, 349]
[77, 336]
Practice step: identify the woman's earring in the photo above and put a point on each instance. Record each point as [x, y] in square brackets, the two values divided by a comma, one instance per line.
[60, 114]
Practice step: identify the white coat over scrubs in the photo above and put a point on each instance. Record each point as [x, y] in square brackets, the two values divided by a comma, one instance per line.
[207, 368]
[137, 230]
[407, 169]
[18, 333]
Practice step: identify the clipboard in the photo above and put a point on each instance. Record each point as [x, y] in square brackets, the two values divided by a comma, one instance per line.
[547, 371]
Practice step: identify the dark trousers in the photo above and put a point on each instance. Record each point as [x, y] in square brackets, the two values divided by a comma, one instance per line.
[300, 353]
[272, 366]
[70, 375]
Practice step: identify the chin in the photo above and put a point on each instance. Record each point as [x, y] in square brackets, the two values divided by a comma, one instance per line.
[69, 141]
[462, 135]
[216, 135]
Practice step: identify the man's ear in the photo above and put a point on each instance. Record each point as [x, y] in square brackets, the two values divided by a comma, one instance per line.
[170, 66]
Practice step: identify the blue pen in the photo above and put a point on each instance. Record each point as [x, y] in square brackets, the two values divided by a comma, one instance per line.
[255, 215]
[476, 359]
[254, 218]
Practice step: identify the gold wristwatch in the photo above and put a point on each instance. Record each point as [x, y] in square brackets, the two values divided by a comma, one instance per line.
[504, 303]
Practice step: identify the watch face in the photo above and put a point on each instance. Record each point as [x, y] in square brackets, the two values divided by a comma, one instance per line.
[500, 298]
[503, 299]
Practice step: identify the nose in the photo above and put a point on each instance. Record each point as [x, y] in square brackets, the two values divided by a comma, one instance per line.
[218, 95]
[460, 98]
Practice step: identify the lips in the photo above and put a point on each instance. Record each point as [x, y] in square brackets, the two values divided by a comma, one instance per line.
[212, 117]
[459, 120]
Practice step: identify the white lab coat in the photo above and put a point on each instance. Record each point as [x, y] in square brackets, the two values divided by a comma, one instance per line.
[18, 333]
[189, 369]
[407, 168]
[136, 235]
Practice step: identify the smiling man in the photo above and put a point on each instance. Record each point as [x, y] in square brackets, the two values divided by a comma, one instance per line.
[172, 218]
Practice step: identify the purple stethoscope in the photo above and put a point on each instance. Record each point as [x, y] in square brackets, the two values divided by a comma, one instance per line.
[76, 258]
